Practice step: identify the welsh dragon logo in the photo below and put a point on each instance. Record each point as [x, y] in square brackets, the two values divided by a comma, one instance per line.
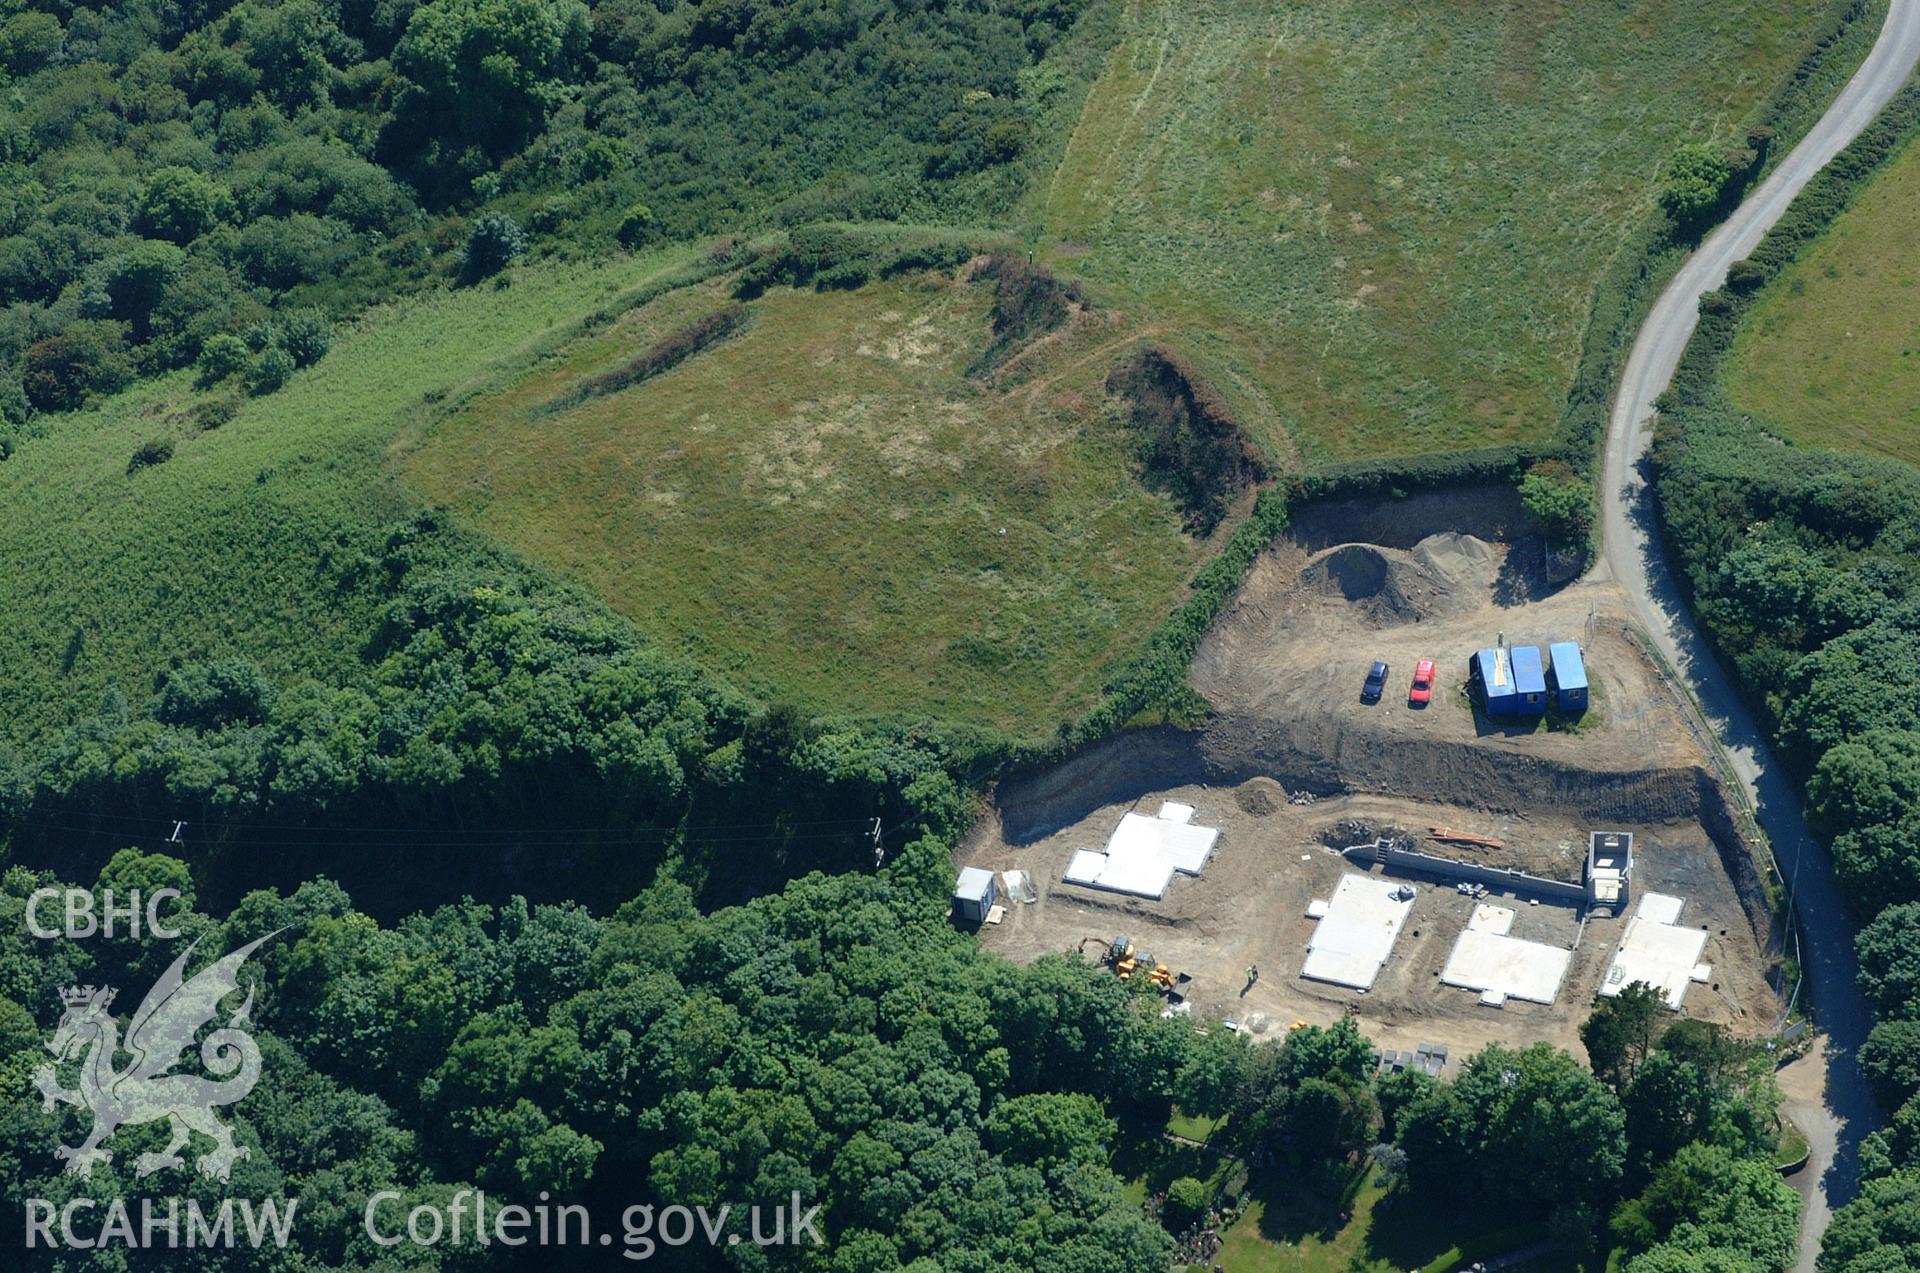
[162, 1028]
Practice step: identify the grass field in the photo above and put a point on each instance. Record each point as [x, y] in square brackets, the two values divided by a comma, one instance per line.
[825, 508]
[1299, 1225]
[1829, 355]
[1288, 1229]
[1387, 218]
[250, 540]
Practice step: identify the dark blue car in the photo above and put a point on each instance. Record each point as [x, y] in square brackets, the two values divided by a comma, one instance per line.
[1376, 683]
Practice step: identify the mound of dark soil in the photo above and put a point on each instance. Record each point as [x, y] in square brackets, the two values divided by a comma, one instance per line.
[1259, 796]
[1443, 575]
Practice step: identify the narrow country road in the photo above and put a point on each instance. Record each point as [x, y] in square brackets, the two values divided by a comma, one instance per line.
[1632, 555]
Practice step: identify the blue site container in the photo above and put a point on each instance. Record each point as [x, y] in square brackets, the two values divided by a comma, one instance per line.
[1495, 674]
[1529, 681]
[1569, 677]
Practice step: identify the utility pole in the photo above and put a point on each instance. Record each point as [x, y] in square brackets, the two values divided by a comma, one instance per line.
[177, 837]
[879, 851]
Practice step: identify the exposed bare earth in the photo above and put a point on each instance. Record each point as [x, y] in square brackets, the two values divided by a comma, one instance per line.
[1249, 908]
[1292, 759]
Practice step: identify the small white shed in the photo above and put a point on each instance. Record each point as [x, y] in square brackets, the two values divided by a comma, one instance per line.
[973, 895]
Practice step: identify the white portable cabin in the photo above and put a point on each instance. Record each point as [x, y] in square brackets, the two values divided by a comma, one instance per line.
[973, 895]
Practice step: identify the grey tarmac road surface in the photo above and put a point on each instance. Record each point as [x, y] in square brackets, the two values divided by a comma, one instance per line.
[1632, 554]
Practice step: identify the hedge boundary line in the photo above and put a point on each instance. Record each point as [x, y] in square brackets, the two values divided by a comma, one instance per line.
[661, 356]
[1814, 210]
[1655, 252]
[1156, 677]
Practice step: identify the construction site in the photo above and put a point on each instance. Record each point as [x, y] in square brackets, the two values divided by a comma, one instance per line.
[1450, 875]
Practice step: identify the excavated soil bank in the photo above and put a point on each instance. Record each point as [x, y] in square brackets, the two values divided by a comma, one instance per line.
[1487, 512]
[1290, 755]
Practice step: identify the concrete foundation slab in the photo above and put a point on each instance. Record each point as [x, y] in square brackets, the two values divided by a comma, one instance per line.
[1362, 922]
[1485, 958]
[1656, 951]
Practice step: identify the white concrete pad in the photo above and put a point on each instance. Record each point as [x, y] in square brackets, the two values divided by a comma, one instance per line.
[1661, 908]
[1138, 874]
[1317, 908]
[1142, 855]
[1184, 845]
[1085, 867]
[1484, 958]
[1488, 918]
[1174, 811]
[1656, 951]
[1363, 921]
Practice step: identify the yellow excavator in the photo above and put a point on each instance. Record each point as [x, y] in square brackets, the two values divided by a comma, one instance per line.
[1128, 963]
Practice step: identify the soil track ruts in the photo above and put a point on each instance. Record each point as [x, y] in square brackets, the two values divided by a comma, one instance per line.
[1281, 670]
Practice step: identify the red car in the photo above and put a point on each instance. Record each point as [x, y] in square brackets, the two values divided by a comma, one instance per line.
[1422, 691]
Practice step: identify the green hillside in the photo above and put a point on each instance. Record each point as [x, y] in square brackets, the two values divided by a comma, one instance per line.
[828, 507]
[1829, 355]
[1387, 217]
[258, 537]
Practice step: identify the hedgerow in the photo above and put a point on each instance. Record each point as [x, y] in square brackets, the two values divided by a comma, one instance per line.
[663, 355]
[832, 257]
[1803, 566]
[1658, 247]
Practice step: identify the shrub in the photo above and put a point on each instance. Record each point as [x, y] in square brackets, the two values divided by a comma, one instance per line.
[149, 453]
[1889, 950]
[636, 226]
[210, 695]
[306, 334]
[87, 358]
[14, 407]
[284, 252]
[181, 204]
[830, 257]
[1186, 1203]
[1005, 141]
[271, 370]
[1746, 276]
[1890, 1062]
[262, 335]
[497, 241]
[1557, 496]
[1694, 183]
[845, 277]
[668, 351]
[30, 41]
[215, 412]
[222, 356]
[938, 255]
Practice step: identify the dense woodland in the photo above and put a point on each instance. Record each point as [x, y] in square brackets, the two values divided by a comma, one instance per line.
[213, 184]
[948, 1109]
[216, 186]
[1805, 568]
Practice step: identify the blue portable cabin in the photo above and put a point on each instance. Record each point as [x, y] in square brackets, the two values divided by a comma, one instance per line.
[1529, 681]
[1569, 677]
[1495, 674]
